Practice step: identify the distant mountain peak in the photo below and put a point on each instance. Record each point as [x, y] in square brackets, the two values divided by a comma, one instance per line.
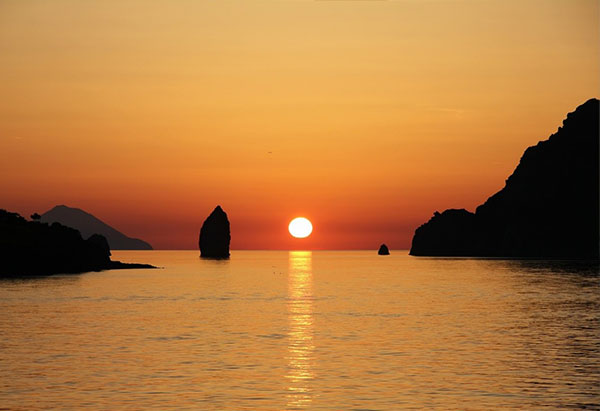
[88, 225]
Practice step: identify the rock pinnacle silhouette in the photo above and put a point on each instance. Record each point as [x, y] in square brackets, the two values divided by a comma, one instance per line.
[215, 235]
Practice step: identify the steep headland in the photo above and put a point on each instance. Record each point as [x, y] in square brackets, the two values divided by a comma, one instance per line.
[31, 248]
[549, 207]
[88, 225]
[215, 235]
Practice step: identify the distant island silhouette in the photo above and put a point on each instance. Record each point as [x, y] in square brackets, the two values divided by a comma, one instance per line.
[549, 207]
[215, 235]
[33, 248]
[87, 225]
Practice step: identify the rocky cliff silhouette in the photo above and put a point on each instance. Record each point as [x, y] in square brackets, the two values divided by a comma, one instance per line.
[215, 235]
[549, 207]
[31, 248]
[88, 225]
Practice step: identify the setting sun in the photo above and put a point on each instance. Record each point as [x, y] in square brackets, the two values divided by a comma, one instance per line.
[300, 227]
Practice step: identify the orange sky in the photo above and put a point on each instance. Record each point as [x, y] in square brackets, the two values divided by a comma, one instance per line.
[376, 113]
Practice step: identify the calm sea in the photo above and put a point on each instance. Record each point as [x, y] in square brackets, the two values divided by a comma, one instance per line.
[304, 330]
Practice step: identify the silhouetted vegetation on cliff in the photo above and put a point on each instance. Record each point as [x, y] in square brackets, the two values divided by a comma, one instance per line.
[548, 208]
[29, 248]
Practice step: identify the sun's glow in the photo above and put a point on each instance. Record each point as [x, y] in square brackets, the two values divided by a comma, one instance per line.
[300, 227]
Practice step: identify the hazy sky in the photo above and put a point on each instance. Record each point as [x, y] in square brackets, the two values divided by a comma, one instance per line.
[364, 116]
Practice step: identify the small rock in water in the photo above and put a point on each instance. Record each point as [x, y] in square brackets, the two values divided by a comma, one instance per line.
[383, 250]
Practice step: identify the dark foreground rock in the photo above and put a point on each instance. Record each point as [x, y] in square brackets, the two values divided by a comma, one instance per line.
[383, 250]
[548, 208]
[30, 248]
[215, 235]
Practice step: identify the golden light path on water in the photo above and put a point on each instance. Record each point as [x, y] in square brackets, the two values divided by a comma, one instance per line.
[300, 334]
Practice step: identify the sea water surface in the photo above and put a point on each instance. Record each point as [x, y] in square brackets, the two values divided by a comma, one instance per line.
[278, 330]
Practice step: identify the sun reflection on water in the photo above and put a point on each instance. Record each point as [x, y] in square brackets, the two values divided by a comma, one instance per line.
[300, 334]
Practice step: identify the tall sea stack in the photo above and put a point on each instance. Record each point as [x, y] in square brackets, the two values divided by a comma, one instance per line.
[215, 235]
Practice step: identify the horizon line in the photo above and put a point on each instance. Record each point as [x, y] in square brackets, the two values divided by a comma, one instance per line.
[272, 249]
